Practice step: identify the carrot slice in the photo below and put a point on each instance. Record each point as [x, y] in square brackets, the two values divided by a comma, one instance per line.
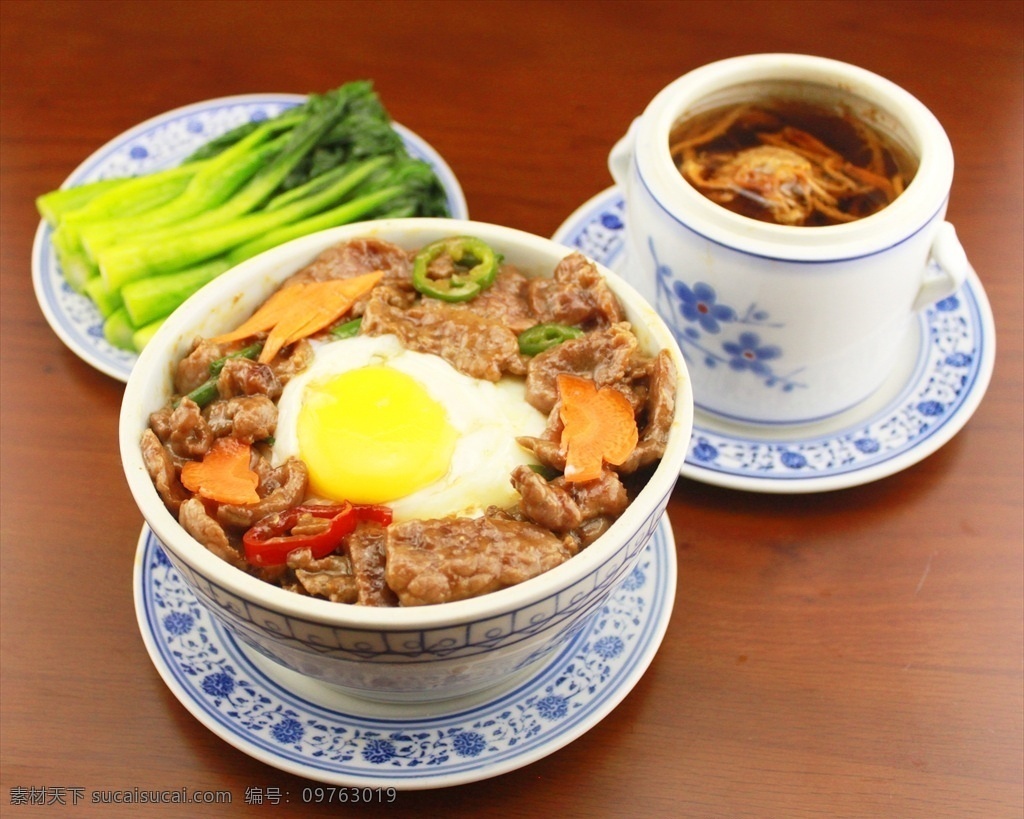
[224, 474]
[299, 310]
[269, 313]
[598, 427]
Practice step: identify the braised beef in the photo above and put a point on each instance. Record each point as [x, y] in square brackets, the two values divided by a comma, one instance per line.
[659, 412]
[565, 507]
[243, 376]
[330, 577]
[190, 435]
[354, 258]
[249, 418]
[591, 529]
[163, 471]
[476, 346]
[576, 294]
[448, 559]
[547, 452]
[506, 302]
[195, 520]
[367, 547]
[194, 369]
[284, 488]
[609, 357]
[546, 504]
[604, 497]
[292, 360]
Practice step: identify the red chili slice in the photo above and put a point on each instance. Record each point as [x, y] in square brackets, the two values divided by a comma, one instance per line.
[269, 541]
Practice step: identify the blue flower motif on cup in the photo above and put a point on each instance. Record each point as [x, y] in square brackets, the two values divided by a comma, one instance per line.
[468, 743]
[948, 304]
[552, 707]
[958, 359]
[699, 304]
[748, 353]
[693, 311]
[379, 751]
[288, 731]
[219, 684]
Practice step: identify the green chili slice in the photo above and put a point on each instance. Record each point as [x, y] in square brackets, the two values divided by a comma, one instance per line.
[347, 329]
[541, 337]
[207, 391]
[474, 268]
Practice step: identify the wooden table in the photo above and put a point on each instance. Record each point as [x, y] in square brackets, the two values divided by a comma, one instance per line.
[852, 653]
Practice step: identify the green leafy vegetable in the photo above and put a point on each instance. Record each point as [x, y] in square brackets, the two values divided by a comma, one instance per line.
[140, 246]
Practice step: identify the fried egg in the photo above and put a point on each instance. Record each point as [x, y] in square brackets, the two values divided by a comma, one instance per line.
[376, 423]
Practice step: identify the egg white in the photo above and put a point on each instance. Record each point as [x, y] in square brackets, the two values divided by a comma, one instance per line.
[487, 417]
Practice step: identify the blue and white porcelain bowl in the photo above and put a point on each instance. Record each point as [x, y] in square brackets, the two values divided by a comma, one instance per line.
[411, 654]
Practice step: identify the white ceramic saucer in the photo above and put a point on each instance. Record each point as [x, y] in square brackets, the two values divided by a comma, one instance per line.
[310, 729]
[161, 142]
[943, 372]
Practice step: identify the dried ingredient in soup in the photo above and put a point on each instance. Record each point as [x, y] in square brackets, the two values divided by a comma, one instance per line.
[412, 449]
[790, 162]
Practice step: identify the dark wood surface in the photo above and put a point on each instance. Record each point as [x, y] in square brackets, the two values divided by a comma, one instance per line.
[856, 653]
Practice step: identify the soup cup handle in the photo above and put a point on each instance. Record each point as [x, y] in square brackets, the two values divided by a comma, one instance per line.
[621, 155]
[947, 268]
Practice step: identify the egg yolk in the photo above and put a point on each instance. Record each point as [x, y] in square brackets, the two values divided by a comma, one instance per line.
[372, 435]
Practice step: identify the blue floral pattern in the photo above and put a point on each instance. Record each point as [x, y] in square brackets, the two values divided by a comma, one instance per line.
[470, 742]
[700, 304]
[697, 318]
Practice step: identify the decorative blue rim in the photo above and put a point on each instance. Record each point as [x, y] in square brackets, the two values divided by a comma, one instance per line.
[457, 742]
[157, 143]
[830, 260]
[952, 370]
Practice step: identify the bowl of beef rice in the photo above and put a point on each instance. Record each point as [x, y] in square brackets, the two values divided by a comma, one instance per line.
[411, 458]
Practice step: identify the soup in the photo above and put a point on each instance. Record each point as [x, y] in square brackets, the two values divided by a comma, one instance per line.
[791, 162]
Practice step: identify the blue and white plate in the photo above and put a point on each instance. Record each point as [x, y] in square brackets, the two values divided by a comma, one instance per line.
[310, 729]
[162, 142]
[943, 372]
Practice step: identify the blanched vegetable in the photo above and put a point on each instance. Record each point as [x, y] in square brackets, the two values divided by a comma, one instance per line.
[139, 246]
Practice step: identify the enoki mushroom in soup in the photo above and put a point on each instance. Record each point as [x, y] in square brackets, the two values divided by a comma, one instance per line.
[791, 163]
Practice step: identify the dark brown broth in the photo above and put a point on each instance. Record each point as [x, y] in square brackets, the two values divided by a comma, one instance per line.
[754, 160]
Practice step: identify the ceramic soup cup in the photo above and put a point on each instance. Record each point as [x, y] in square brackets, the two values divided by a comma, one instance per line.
[784, 324]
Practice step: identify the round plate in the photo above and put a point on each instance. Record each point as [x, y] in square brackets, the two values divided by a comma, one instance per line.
[157, 143]
[308, 728]
[944, 369]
